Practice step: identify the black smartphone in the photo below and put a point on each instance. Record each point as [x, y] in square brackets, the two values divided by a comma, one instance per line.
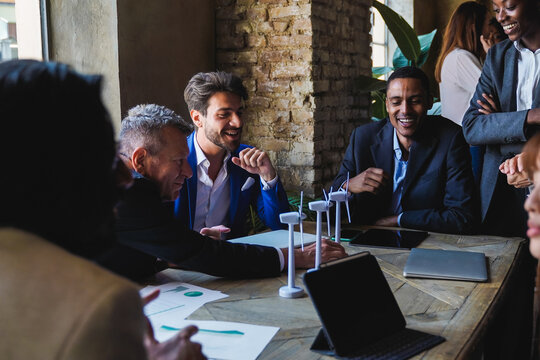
[401, 239]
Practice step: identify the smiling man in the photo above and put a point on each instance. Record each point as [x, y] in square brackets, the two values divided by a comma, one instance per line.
[148, 238]
[410, 169]
[228, 176]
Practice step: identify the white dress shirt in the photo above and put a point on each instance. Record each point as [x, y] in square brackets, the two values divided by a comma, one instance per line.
[460, 72]
[214, 197]
[398, 179]
[528, 75]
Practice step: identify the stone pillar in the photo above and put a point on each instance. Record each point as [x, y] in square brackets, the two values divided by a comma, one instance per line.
[298, 59]
[83, 34]
[146, 50]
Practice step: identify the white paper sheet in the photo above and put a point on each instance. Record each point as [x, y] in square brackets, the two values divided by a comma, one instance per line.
[276, 238]
[178, 300]
[222, 340]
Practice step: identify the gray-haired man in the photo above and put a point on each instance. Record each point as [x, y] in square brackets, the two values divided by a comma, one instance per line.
[153, 145]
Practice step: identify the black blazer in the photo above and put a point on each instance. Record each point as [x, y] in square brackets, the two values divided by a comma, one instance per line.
[146, 231]
[438, 191]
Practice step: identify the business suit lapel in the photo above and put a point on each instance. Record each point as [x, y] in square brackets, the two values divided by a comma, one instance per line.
[383, 157]
[381, 150]
[536, 97]
[509, 84]
[420, 153]
[192, 182]
[236, 180]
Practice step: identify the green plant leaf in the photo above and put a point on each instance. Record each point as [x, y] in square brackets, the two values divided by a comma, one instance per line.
[425, 46]
[399, 60]
[403, 33]
[378, 106]
[254, 224]
[365, 84]
[379, 71]
[435, 109]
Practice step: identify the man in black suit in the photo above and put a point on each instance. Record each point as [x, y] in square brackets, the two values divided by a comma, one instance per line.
[410, 169]
[153, 146]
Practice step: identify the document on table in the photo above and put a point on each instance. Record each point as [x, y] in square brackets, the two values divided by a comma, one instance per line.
[276, 238]
[222, 340]
[178, 300]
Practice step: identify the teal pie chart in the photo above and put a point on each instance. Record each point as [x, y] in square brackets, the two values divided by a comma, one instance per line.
[193, 293]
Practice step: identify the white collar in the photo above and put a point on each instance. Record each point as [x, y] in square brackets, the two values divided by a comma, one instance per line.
[201, 157]
[519, 46]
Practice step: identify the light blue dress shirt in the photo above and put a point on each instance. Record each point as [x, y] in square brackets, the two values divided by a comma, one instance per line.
[400, 170]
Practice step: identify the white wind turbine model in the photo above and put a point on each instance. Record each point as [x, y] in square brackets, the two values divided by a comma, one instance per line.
[339, 197]
[292, 218]
[320, 206]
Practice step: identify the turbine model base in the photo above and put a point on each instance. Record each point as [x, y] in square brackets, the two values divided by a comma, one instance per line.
[290, 292]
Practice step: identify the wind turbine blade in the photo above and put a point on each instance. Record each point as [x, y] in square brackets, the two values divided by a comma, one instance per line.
[328, 221]
[347, 199]
[347, 206]
[325, 196]
[300, 219]
[300, 207]
[301, 233]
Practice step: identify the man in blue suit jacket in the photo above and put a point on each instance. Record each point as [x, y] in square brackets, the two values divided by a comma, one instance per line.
[228, 176]
[153, 146]
[505, 112]
[410, 170]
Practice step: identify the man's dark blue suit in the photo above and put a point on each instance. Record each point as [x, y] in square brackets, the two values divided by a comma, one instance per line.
[438, 192]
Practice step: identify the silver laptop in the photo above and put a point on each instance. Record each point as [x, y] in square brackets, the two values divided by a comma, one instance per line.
[446, 264]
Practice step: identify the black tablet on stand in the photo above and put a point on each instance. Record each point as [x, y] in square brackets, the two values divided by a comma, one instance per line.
[372, 327]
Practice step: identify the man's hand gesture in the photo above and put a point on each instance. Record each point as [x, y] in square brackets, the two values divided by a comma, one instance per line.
[371, 180]
[255, 161]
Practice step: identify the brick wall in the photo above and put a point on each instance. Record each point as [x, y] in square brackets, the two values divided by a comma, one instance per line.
[341, 52]
[298, 59]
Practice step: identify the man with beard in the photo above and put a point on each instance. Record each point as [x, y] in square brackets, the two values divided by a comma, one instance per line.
[228, 176]
[410, 169]
[153, 146]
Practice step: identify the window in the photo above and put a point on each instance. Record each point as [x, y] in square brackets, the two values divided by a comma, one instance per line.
[26, 29]
[379, 45]
[383, 43]
[8, 31]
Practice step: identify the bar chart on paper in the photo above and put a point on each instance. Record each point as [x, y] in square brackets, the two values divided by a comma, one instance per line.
[177, 300]
[223, 340]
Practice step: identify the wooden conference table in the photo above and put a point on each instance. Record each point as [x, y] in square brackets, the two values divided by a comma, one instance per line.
[460, 311]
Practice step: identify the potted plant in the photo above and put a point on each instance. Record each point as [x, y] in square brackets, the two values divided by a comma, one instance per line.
[413, 50]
